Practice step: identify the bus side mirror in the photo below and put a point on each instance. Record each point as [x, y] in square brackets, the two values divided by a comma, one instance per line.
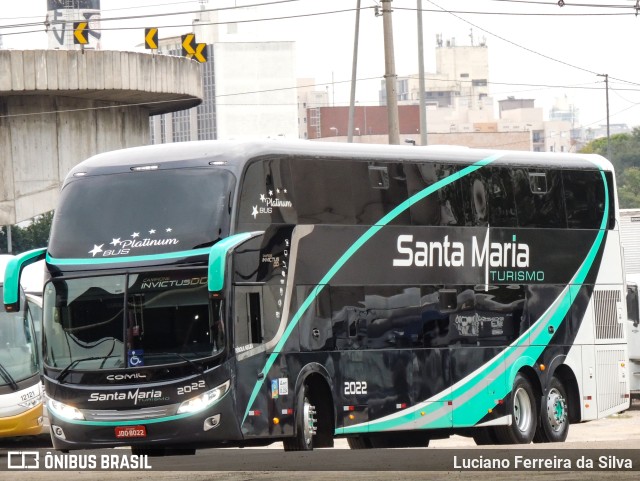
[218, 255]
[11, 296]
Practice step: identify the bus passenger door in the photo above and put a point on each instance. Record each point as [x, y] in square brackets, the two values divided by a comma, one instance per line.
[247, 323]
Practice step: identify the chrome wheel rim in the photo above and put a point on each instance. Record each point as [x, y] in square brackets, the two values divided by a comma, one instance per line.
[556, 410]
[522, 410]
[309, 421]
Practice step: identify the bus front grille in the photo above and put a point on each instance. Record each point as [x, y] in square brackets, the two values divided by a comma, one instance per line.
[130, 414]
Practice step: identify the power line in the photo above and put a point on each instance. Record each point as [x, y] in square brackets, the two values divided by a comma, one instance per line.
[321, 84]
[166, 14]
[526, 48]
[555, 4]
[284, 17]
[514, 43]
[521, 14]
[45, 22]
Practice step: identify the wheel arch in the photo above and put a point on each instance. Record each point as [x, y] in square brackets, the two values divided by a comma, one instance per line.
[534, 379]
[524, 366]
[318, 379]
[567, 377]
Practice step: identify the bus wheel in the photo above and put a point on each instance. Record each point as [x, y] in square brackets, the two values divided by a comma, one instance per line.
[524, 413]
[305, 424]
[554, 415]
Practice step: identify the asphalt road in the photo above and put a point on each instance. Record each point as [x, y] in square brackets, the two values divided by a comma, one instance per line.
[611, 445]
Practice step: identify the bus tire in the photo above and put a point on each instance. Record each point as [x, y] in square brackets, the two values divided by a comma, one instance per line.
[554, 415]
[305, 428]
[524, 414]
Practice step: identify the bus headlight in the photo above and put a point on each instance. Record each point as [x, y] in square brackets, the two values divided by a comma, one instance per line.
[64, 410]
[204, 400]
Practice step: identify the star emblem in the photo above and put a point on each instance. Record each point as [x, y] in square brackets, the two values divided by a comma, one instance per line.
[115, 242]
[254, 212]
[96, 250]
[277, 191]
[168, 229]
[262, 198]
[152, 231]
[270, 193]
[284, 190]
[135, 234]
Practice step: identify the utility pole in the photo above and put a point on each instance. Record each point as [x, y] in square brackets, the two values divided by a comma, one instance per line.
[354, 68]
[606, 85]
[390, 73]
[9, 241]
[422, 107]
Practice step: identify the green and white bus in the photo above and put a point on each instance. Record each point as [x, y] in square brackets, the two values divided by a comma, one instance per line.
[241, 293]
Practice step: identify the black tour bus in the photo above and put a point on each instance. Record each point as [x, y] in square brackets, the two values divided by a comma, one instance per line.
[240, 293]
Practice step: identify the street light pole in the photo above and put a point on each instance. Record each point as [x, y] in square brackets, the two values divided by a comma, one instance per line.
[390, 74]
[606, 84]
[354, 68]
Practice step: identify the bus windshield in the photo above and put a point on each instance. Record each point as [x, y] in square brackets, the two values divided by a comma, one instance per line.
[18, 347]
[141, 213]
[129, 320]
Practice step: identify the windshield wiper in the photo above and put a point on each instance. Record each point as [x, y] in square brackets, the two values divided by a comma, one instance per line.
[195, 366]
[8, 378]
[73, 363]
[66, 370]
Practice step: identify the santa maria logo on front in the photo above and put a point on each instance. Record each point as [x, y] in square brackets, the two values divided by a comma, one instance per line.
[136, 243]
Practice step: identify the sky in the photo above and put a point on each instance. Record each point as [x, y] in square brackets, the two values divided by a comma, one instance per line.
[537, 49]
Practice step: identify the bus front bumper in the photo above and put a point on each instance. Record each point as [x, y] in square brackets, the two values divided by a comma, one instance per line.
[213, 426]
[28, 423]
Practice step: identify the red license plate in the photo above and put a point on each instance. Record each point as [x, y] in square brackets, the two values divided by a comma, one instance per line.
[131, 432]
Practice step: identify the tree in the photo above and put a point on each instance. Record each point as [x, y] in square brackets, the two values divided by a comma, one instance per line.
[629, 192]
[625, 157]
[31, 236]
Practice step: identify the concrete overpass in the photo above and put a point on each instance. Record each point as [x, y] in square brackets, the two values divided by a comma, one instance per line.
[58, 107]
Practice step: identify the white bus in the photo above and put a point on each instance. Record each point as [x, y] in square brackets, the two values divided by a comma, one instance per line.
[21, 393]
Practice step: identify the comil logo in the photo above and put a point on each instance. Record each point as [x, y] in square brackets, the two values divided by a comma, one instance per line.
[23, 460]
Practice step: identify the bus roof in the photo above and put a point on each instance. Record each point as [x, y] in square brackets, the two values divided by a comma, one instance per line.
[234, 154]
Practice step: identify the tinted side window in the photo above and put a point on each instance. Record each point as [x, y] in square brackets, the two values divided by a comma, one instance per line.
[584, 197]
[377, 189]
[443, 207]
[323, 191]
[539, 199]
[348, 316]
[266, 194]
[488, 197]
[393, 317]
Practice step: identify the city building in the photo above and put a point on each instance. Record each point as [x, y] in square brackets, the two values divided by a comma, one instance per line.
[61, 14]
[459, 110]
[309, 100]
[250, 88]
